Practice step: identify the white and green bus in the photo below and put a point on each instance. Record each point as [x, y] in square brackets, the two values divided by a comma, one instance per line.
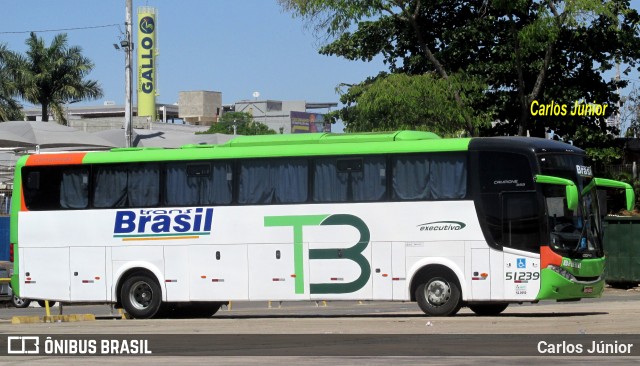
[407, 216]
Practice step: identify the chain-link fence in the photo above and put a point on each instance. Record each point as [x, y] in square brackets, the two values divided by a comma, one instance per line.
[621, 172]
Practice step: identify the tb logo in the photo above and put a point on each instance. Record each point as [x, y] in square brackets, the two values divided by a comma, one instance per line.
[353, 253]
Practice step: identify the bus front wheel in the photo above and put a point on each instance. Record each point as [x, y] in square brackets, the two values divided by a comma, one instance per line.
[141, 296]
[439, 296]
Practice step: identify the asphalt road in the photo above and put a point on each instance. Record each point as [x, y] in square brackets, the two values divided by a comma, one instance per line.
[358, 333]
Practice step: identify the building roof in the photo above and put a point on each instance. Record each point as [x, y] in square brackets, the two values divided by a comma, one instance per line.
[115, 110]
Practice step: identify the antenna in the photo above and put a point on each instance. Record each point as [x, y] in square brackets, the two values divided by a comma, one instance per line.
[256, 95]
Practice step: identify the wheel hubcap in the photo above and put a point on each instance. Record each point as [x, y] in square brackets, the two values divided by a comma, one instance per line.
[140, 295]
[437, 292]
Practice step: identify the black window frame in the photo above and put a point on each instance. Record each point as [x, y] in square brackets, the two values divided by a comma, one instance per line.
[235, 166]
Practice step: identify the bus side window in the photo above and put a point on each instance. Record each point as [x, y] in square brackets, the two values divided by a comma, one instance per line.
[109, 186]
[350, 179]
[42, 187]
[430, 177]
[74, 188]
[273, 181]
[143, 186]
[135, 185]
[188, 184]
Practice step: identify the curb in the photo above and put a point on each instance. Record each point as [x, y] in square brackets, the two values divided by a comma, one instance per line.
[52, 318]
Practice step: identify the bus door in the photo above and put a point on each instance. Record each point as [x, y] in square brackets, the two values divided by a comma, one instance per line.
[521, 245]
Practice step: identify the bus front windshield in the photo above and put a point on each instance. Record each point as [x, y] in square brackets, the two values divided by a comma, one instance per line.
[577, 233]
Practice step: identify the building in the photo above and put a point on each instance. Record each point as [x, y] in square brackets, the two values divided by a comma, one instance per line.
[200, 108]
[105, 117]
[286, 116]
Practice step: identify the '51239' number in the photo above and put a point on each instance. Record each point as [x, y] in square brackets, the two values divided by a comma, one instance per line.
[522, 276]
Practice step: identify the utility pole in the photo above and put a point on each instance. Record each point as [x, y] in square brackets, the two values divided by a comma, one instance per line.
[128, 49]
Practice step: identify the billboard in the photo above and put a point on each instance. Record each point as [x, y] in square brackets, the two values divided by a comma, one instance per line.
[303, 122]
[146, 62]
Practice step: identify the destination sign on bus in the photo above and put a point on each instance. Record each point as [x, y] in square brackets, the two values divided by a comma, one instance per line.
[584, 171]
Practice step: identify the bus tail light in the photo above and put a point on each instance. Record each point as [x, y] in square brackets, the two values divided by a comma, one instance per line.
[11, 252]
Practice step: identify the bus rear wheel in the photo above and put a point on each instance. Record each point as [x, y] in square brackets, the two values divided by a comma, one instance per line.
[141, 296]
[19, 302]
[488, 309]
[439, 296]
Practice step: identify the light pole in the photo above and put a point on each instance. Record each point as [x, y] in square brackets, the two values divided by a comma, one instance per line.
[127, 45]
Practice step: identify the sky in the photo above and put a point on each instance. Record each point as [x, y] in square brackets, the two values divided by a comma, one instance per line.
[236, 47]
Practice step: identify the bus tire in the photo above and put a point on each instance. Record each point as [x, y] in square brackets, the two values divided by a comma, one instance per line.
[439, 296]
[19, 302]
[42, 303]
[141, 296]
[488, 309]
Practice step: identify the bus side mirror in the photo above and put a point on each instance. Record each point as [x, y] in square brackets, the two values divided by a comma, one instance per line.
[630, 196]
[571, 191]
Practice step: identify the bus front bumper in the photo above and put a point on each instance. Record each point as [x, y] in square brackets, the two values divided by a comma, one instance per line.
[554, 286]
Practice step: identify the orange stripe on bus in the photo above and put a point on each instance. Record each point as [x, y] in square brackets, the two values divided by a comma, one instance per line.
[55, 159]
[548, 256]
[23, 206]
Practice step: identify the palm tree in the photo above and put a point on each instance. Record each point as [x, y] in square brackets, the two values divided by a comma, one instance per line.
[52, 76]
[9, 107]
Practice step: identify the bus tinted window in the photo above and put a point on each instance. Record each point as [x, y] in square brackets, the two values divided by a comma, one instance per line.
[520, 225]
[429, 177]
[508, 201]
[190, 184]
[351, 179]
[501, 171]
[54, 188]
[273, 181]
[74, 188]
[135, 185]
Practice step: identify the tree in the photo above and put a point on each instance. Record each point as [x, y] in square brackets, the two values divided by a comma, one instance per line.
[9, 107]
[630, 113]
[244, 123]
[523, 51]
[52, 76]
[419, 102]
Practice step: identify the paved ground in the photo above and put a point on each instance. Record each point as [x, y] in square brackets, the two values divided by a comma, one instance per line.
[618, 312]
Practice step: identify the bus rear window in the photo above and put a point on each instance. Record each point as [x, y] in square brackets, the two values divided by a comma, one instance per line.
[55, 188]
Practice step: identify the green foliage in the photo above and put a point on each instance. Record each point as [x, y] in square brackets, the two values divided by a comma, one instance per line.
[600, 146]
[244, 122]
[413, 102]
[521, 50]
[52, 76]
[9, 107]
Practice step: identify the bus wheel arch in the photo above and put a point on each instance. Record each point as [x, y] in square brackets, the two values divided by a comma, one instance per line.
[436, 288]
[139, 292]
